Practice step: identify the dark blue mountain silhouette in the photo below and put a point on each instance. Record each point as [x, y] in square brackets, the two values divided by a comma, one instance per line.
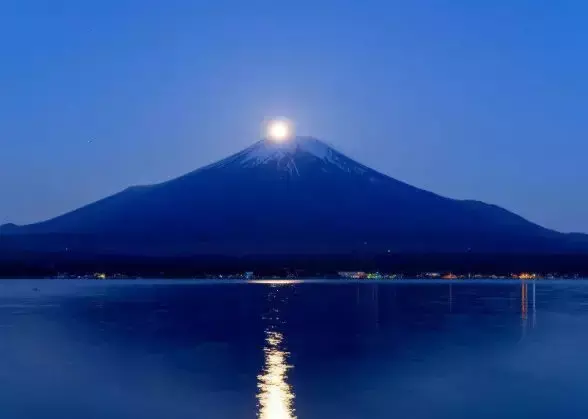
[300, 196]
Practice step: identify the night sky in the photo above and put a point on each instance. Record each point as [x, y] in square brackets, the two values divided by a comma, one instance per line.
[484, 100]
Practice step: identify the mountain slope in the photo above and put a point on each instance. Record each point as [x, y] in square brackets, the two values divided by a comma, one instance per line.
[297, 196]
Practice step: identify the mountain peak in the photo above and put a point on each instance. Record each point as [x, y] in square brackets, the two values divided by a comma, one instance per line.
[265, 150]
[292, 155]
[291, 196]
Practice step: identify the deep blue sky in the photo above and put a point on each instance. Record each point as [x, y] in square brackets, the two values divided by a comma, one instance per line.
[478, 99]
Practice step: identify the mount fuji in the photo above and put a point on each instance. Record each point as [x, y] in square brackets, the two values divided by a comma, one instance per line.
[294, 197]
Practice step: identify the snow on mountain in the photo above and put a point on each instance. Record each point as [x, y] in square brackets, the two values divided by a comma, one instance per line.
[286, 154]
[266, 150]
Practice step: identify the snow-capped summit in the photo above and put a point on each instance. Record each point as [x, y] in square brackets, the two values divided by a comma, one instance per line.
[288, 154]
[295, 196]
[266, 150]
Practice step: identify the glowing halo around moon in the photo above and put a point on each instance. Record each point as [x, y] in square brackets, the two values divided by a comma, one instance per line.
[279, 130]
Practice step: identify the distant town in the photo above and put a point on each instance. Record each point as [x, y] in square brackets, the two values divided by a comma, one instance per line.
[349, 275]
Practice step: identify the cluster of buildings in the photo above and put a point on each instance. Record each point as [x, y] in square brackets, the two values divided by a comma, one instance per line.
[368, 275]
[440, 275]
[95, 275]
[351, 275]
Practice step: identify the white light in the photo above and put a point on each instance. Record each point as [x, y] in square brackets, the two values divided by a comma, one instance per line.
[278, 130]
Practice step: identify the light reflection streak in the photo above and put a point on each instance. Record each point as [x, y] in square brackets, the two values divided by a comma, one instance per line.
[275, 395]
[524, 302]
[525, 307]
[534, 323]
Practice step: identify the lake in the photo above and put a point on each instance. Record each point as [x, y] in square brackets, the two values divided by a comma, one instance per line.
[309, 349]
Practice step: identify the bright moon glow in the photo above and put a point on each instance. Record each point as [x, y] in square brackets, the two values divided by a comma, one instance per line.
[279, 130]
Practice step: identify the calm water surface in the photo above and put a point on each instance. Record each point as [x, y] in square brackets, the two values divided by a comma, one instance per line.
[178, 349]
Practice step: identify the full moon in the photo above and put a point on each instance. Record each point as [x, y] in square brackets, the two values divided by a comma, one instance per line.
[278, 130]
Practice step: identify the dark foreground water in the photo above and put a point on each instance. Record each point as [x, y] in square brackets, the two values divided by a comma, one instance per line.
[172, 349]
